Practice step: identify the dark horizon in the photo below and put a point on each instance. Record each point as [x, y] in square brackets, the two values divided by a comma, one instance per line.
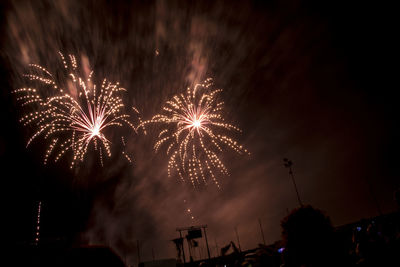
[307, 81]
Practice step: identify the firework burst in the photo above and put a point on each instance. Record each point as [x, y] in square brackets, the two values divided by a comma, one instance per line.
[194, 133]
[76, 112]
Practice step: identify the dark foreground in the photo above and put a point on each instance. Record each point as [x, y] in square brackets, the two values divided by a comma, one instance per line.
[369, 242]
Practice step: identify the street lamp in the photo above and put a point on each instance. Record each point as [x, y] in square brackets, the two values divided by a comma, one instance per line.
[288, 164]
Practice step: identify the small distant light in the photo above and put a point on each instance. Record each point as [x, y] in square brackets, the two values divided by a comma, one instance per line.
[359, 228]
[281, 250]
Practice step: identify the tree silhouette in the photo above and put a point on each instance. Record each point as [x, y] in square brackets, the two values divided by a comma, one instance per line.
[308, 237]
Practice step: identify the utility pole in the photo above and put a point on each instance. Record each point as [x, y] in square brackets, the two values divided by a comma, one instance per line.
[183, 247]
[216, 246]
[262, 233]
[138, 251]
[372, 193]
[237, 236]
[205, 235]
[288, 164]
[190, 250]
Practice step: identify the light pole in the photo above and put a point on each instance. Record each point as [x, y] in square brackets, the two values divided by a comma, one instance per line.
[138, 251]
[262, 232]
[237, 236]
[288, 164]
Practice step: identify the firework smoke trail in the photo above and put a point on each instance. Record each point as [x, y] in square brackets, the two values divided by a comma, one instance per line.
[194, 132]
[76, 119]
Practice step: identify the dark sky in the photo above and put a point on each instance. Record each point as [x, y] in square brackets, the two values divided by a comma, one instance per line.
[308, 81]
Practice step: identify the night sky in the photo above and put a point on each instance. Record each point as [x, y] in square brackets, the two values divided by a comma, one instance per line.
[304, 81]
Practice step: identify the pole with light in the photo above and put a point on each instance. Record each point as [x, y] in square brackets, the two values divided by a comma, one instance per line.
[288, 164]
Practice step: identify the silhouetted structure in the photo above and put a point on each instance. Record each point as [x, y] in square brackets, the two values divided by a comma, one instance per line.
[309, 240]
[193, 233]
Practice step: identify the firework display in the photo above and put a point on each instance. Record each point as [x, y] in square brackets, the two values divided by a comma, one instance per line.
[194, 132]
[72, 111]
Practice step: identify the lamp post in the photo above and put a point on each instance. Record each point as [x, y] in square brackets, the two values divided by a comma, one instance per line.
[237, 236]
[288, 164]
[262, 232]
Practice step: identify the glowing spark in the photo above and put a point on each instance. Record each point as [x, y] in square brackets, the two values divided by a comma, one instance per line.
[196, 123]
[77, 118]
[95, 131]
[194, 132]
